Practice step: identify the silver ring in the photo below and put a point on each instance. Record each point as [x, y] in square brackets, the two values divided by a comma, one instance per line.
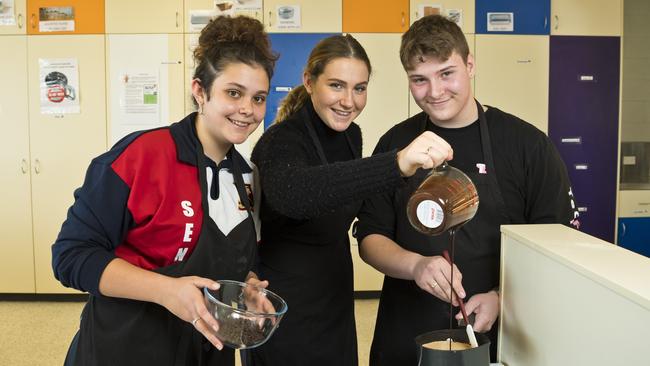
[194, 321]
[434, 284]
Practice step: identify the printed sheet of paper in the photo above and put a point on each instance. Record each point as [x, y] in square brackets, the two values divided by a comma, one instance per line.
[59, 84]
[7, 12]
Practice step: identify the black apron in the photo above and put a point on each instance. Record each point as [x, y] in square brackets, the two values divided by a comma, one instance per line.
[405, 310]
[319, 328]
[116, 331]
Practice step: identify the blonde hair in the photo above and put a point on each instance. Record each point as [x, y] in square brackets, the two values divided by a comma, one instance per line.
[327, 50]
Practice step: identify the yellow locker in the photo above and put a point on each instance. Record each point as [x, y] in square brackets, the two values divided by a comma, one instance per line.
[17, 261]
[375, 16]
[198, 11]
[63, 144]
[587, 17]
[65, 17]
[144, 16]
[512, 74]
[12, 18]
[462, 11]
[315, 16]
[149, 59]
[413, 107]
[191, 41]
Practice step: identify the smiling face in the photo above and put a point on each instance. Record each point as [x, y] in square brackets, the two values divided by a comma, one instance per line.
[443, 89]
[339, 93]
[235, 108]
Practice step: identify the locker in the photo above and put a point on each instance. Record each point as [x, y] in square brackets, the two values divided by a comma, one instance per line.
[88, 16]
[583, 123]
[586, 17]
[375, 16]
[525, 17]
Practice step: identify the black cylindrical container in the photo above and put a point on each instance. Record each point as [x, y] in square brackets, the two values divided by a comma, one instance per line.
[479, 356]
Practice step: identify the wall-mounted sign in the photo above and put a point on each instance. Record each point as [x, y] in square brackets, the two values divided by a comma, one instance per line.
[56, 19]
[500, 22]
[7, 12]
[288, 16]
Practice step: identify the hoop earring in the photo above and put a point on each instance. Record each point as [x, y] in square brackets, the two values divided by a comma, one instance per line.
[201, 109]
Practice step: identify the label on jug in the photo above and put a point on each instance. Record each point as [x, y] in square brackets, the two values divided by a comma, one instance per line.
[430, 214]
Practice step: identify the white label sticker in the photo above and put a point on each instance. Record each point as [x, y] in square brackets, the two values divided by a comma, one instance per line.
[629, 160]
[430, 214]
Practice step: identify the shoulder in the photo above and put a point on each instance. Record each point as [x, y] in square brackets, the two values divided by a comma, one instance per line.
[508, 129]
[288, 136]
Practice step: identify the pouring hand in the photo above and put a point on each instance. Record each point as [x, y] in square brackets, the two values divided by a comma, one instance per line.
[486, 308]
[433, 275]
[183, 297]
[427, 151]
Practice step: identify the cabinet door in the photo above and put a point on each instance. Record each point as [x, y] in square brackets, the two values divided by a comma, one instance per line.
[461, 11]
[62, 145]
[586, 17]
[514, 16]
[294, 49]
[315, 16]
[197, 12]
[65, 17]
[387, 91]
[413, 107]
[144, 16]
[17, 260]
[375, 16]
[149, 68]
[633, 234]
[512, 75]
[12, 17]
[583, 124]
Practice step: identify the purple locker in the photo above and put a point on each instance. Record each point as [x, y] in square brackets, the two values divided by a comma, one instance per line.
[583, 123]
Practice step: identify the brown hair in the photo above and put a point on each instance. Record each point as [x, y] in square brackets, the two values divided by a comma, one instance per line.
[324, 52]
[227, 40]
[432, 36]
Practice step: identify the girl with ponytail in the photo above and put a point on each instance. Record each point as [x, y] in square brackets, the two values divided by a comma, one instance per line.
[166, 212]
[314, 181]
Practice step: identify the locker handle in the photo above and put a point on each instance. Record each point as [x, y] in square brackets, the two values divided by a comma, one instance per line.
[270, 15]
[417, 14]
[23, 166]
[524, 61]
[176, 19]
[20, 20]
[403, 19]
[624, 229]
[557, 21]
[545, 22]
[37, 166]
[31, 21]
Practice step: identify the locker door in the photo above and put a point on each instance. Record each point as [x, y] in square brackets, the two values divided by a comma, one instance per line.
[12, 18]
[62, 145]
[512, 75]
[528, 17]
[144, 16]
[75, 16]
[315, 16]
[463, 9]
[583, 123]
[294, 50]
[137, 60]
[413, 107]
[633, 234]
[586, 17]
[17, 260]
[375, 16]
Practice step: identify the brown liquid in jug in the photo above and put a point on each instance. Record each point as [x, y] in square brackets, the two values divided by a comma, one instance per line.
[444, 200]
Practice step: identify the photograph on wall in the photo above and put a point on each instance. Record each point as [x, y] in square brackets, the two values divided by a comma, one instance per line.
[59, 84]
[56, 19]
[500, 22]
[429, 9]
[7, 12]
[288, 16]
[139, 97]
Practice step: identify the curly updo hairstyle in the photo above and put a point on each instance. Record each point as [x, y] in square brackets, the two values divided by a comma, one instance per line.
[227, 40]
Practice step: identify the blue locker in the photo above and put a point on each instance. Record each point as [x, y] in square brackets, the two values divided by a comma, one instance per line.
[294, 49]
[634, 234]
[528, 17]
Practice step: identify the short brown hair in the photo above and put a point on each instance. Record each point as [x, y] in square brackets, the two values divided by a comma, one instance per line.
[432, 36]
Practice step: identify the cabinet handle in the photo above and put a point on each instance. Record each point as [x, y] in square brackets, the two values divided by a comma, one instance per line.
[37, 166]
[623, 226]
[557, 22]
[403, 19]
[20, 20]
[417, 15]
[176, 19]
[545, 22]
[31, 21]
[270, 15]
[524, 61]
[24, 167]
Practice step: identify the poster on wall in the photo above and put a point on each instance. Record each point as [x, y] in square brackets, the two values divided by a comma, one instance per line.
[7, 12]
[139, 97]
[500, 22]
[56, 19]
[288, 16]
[59, 84]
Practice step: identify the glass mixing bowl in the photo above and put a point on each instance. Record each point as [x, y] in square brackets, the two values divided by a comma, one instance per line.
[247, 314]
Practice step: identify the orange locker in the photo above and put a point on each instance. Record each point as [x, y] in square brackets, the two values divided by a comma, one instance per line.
[65, 17]
[375, 16]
